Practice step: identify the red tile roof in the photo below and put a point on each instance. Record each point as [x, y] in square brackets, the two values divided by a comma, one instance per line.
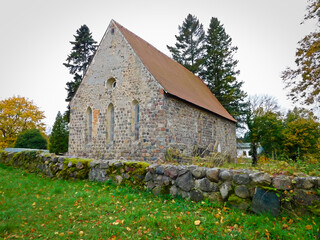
[173, 77]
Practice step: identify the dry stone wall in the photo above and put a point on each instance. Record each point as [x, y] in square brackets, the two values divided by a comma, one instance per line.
[244, 189]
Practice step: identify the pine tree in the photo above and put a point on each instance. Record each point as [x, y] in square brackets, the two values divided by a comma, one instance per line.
[189, 49]
[59, 136]
[219, 72]
[83, 50]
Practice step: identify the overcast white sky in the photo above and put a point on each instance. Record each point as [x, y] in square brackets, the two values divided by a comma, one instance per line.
[35, 37]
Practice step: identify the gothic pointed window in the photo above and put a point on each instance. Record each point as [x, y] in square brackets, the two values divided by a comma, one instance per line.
[110, 123]
[89, 125]
[136, 119]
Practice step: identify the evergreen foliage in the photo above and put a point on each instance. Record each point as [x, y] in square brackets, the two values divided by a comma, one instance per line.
[59, 136]
[83, 50]
[219, 72]
[189, 48]
[31, 138]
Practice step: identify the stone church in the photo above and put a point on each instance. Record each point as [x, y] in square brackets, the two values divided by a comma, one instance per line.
[135, 102]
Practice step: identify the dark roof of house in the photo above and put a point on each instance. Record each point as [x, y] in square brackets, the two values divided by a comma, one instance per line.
[173, 77]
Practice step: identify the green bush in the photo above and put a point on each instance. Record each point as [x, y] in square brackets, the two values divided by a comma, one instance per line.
[31, 138]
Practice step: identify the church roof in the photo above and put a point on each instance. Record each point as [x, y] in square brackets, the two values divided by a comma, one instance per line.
[173, 77]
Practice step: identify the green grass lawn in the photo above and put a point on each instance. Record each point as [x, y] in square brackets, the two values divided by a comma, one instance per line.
[36, 207]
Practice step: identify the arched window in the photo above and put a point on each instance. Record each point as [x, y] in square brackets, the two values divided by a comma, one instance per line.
[110, 122]
[89, 124]
[136, 119]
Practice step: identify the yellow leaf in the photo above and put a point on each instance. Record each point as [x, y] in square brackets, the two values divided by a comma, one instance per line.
[308, 227]
[197, 222]
[81, 233]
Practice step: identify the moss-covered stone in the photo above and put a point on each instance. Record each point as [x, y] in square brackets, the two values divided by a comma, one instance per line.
[238, 202]
[315, 208]
[71, 171]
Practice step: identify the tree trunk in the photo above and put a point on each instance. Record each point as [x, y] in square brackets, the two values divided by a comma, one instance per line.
[254, 154]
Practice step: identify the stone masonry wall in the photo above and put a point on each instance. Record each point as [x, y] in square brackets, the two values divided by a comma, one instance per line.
[244, 189]
[190, 126]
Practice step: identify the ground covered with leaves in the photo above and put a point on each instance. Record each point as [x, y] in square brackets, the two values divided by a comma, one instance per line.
[36, 207]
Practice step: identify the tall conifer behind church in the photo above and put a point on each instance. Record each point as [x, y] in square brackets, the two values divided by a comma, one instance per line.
[58, 141]
[220, 73]
[82, 52]
[189, 48]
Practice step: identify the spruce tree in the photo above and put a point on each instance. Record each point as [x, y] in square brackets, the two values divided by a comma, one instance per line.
[189, 48]
[31, 138]
[219, 72]
[83, 50]
[59, 136]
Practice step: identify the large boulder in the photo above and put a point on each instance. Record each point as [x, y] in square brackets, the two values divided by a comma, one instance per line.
[185, 182]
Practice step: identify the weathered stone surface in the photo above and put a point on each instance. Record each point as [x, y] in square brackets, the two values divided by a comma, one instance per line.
[61, 159]
[174, 191]
[157, 190]
[148, 176]
[182, 170]
[205, 185]
[261, 178]
[305, 197]
[97, 174]
[282, 182]
[265, 201]
[117, 164]
[213, 174]
[171, 171]
[196, 196]
[303, 183]
[213, 197]
[160, 170]
[185, 182]
[240, 203]
[242, 192]
[118, 179]
[70, 164]
[150, 185]
[225, 175]
[241, 179]
[199, 172]
[225, 190]
[79, 165]
[93, 163]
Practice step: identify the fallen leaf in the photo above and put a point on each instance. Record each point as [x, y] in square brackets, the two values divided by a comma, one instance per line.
[308, 227]
[197, 222]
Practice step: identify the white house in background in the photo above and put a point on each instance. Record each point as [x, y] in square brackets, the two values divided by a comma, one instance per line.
[243, 150]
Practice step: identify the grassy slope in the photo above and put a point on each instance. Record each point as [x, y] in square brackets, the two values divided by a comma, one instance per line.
[32, 206]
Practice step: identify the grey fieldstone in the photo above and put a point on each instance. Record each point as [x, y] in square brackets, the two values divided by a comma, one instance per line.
[303, 182]
[70, 164]
[156, 190]
[282, 182]
[225, 190]
[196, 196]
[225, 175]
[104, 164]
[182, 170]
[213, 197]
[160, 170]
[79, 165]
[171, 171]
[185, 182]
[174, 191]
[242, 192]
[305, 197]
[54, 159]
[93, 163]
[213, 174]
[118, 164]
[150, 185]
[265, 201]
[205, 185]
[118, 179]
[241, 179]
[61, 159]
[148, 176]
[261, 178]
[199, 172]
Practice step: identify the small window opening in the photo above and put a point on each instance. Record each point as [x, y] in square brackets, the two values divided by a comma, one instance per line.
[136, 119]
[110, 122]
[111, 83]
[89, 124]
[112, 31]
